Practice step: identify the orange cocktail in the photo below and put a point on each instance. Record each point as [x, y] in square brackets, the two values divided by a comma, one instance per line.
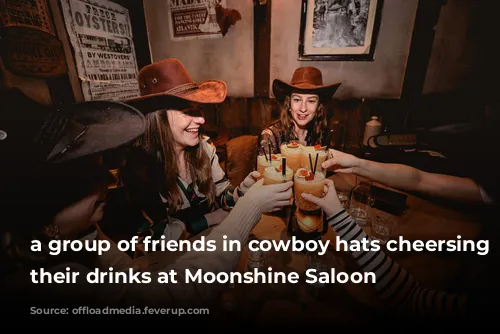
[273, 175]
[263, 162]
[307, 182]
[292, 152]
[313, 150]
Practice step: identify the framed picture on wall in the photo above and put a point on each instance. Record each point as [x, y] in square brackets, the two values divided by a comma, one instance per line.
[339, 29]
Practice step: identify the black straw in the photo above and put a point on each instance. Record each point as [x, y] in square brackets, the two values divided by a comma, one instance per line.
[310, 162]
[315, 163]
[270, 159]
[283, 166]
[264, 151]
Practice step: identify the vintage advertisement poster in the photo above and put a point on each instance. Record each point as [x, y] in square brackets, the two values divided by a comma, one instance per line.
[194, 19]
[101, 35]
[33, 53]
[26, 13]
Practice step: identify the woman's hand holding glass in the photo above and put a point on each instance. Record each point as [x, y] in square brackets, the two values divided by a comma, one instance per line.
[270, 197]
[341, 162]
[330, 203]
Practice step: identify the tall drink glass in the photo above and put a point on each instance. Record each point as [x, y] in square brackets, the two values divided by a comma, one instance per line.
[307, 182]
[292, 152]
[312, 150]
[359, 207]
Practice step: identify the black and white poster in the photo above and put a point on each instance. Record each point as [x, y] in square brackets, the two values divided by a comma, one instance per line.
[194, 19]
[101, 35]
[339, 27]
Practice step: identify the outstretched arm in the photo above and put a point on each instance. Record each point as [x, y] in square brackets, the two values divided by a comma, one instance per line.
[396, 286]
[406, 178]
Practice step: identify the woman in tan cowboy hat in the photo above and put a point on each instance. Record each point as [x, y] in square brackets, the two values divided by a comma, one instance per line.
[303, 114]
[183, 173]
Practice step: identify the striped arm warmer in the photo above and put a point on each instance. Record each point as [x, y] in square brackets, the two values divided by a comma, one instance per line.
[394, 284]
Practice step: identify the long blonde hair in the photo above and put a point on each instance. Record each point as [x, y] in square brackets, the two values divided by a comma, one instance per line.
[158, 141]
[320, 121]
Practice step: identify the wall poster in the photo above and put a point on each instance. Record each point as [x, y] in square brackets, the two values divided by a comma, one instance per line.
[101, 35]
[28, 14]
[33, 53]
[30, 46]
[194, 19]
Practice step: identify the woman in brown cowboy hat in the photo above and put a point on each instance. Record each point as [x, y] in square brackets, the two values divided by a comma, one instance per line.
[183, 178]
[303, 116]
[53, 181]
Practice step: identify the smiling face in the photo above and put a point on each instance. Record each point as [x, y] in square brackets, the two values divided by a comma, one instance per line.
[303, 108]
[185, 126]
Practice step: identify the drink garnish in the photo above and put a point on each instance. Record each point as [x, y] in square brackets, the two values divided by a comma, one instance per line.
[319, 147]
[310, 176]
[302, 172]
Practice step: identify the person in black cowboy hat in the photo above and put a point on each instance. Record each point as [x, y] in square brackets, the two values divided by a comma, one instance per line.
[54, 183]
[303, 116]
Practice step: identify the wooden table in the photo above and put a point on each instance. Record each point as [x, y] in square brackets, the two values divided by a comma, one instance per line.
[272, 304]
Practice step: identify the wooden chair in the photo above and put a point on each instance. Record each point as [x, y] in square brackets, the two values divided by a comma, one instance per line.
[241, 157]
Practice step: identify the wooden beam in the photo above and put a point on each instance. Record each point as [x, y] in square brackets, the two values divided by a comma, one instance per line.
[262, 47]
[61, 91]
[139, 30]
[422, 41]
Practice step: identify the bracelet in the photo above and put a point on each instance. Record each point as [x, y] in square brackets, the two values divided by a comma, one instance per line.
[240, 193]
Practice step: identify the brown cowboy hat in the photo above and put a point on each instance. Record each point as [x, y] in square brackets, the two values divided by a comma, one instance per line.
[305, 80]
[167, 81]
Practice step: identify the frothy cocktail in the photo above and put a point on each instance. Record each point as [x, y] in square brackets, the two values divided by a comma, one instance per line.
[263, 162]
[307, 182]
[313, 150]
[292, 152]
[273, 175]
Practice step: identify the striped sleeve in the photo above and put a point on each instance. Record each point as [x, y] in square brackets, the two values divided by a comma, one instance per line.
[223, 187]
[394, 284]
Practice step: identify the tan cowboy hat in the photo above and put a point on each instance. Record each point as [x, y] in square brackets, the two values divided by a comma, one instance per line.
[168, 81]
[305, 80]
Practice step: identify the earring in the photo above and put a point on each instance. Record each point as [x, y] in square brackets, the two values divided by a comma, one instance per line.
[52, 231]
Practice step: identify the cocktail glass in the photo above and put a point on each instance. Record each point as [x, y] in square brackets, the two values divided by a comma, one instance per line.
[312, 150]
[273, 175]
[307, 182]
[292, 152]
[263, 162]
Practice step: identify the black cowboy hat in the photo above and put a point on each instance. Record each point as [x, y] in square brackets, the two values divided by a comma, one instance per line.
[35, 134]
